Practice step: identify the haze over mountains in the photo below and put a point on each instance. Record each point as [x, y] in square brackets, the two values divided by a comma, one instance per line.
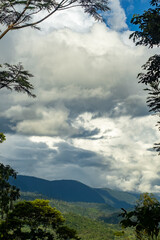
[74, 191]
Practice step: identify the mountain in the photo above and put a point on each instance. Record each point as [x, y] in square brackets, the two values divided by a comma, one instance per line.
[74, 191]
[117, 199]
[67, 190]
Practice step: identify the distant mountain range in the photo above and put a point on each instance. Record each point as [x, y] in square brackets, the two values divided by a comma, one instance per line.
[74, 191]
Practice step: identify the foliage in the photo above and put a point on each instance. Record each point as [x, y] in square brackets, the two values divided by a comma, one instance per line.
[149, 24]
[35, 220]
[151, 79]
[86, 218]
[8, 193]
[145, 218]
[90, 210]
[2, 137]
[149, 35]
[20, 14]
[89, 229]
[15, 77]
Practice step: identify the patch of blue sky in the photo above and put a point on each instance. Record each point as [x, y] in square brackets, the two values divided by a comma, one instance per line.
[130, 8]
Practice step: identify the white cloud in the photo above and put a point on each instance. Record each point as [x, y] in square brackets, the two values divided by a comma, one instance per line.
[89, 106]
[73, 18]
[124, 142]
[116, 18]
[75, 72]
[68, 59]
[48, 122]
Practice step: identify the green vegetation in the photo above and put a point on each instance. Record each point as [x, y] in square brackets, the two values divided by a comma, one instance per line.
[90, 210]
[145, 218]
[117, 199]
[123, 196]
[2, 137]
[28, 219]
[35, 220]
[94, 211]
[92, 221]
[149, 35]
[8, 193]
[89, 229]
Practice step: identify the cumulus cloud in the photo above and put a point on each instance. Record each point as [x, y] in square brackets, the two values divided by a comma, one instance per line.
[116, 18]
[116, 156]
[124, 145]
[73, 18]
[50, 121]
[76, 73]
[90, 117]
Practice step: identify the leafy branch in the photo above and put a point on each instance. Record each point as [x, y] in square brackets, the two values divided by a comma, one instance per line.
[20, 14]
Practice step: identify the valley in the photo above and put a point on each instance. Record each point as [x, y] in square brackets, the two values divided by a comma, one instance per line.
[92, 220]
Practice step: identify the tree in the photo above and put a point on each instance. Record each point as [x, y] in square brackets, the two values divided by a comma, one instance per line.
[145, 218]
[35, 220]
[8, 193]
[149, 23]
[149, 35]
[17, 14]
[15, 77]
[2, 137]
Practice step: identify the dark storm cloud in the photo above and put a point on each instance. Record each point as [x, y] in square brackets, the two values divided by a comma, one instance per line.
[133, 106]
[114, 106]
[156, 181]
[23, 155]
[6, 126]
[68, 154]
[83, 133]
[32, 158]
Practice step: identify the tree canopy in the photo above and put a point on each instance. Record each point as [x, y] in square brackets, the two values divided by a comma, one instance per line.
[14, 77]
[16, 14]
[149, 35]
[8, 193]
[35, 220]
[149, 25]
[2, 137]
[145, 218]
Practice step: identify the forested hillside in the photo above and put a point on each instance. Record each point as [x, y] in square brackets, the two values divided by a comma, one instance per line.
[74, 191]
[92, 221]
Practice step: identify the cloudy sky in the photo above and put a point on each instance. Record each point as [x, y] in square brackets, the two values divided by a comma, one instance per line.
[89, 121]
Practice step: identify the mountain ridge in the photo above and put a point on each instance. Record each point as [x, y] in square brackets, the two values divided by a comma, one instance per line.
[74, 191]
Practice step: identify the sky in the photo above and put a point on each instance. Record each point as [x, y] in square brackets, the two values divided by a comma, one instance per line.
[89, 121]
